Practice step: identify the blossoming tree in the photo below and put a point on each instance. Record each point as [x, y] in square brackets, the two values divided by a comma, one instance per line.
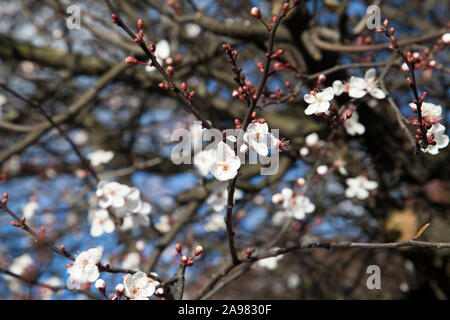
[164, 149]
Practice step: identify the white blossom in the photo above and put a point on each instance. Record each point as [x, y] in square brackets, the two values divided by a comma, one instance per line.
[101, 222]
[85, 269]
[441, 140]
[215, 223]
[203, 161]
[137, 216]
[226, 163]
[446, 37]
[259, 138]
[312, 139]
[279, 218]
[353, 126]
[138, 286]
[47, 293]
[100, 156]
[319, 101]
[163, 225]
[29, 209]
[112, 194]
[321, 170]
[270, 263]
[162, 52]
[192, 30]
[358, 87]
[20, 265]
[359, 187]
[430, 112]
[219, 196]
[132, 261]
[304, 151]
[296, 206]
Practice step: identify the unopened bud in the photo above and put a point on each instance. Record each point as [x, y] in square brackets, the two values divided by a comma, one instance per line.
[120, 289]
[198, 251]
[170, 70]
[321, 79]
[190, 262]
[178, 247]
[100, 285]
[131, 60]
[300, 182]
[255, 12]
[140, 24]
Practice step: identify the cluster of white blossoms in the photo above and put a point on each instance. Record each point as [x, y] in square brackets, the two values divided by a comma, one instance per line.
[319, 101]
[294, 205]
[85, 268]
[99, 157]
[118, 201]
[359, 187]
[432, 114]
[358, 87]
[221, 160]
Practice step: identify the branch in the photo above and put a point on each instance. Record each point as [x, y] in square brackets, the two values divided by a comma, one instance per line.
[86, 164]
[156, 64]
[71, 111]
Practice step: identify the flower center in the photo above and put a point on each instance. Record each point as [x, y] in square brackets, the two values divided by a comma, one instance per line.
[347, 87]
[134, 290]
[224, 166]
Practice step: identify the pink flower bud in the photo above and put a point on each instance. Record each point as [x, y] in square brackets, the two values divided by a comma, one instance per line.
[100, 285]
[255, 12]
[120, 289]
[131, 60]
[300, 182]
[198, 251]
